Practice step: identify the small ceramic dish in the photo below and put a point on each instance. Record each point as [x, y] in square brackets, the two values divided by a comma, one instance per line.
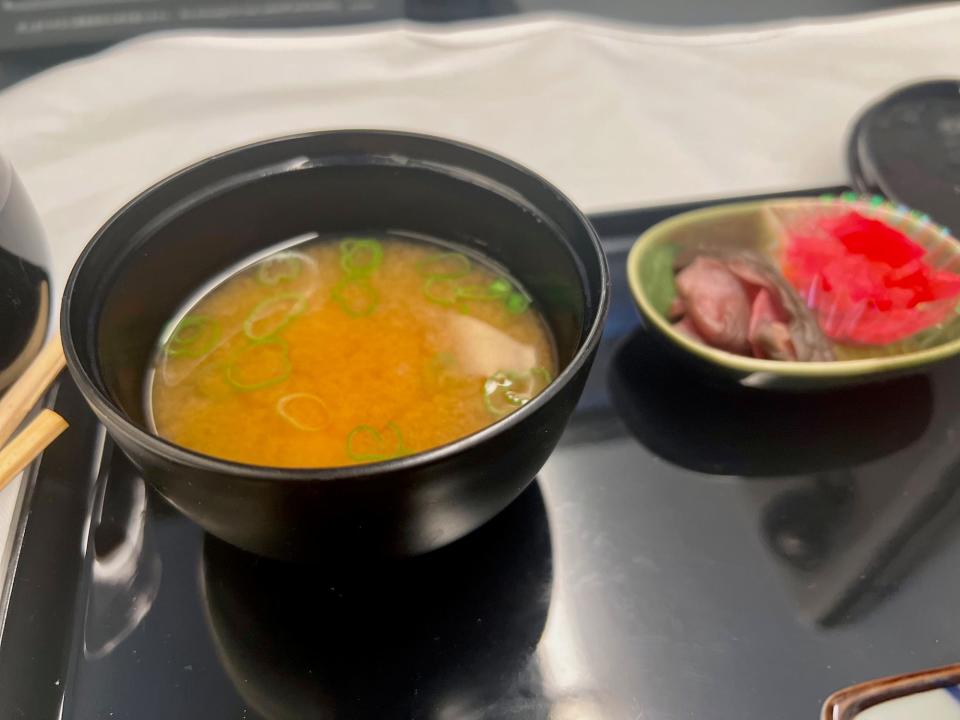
[761, 228]
[926, 695]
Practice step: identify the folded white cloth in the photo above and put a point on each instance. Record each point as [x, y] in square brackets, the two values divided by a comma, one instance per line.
[616, 116]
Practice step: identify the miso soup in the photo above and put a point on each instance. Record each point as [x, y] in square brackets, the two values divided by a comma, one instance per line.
[348, 350]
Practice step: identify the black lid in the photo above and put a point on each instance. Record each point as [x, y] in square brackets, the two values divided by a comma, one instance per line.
[907, 147]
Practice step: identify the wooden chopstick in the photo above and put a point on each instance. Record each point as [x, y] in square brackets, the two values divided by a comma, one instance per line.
[17, 403]
[24, 394]
[29, 442]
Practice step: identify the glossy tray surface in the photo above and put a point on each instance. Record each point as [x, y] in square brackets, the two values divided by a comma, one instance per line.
[690, 550]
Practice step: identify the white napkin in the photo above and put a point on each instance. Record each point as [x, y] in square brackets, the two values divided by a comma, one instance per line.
[617, 116]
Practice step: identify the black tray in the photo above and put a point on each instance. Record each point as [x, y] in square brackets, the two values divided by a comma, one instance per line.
[688, 552]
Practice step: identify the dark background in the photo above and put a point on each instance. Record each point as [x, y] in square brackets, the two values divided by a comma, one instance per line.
[36, 34]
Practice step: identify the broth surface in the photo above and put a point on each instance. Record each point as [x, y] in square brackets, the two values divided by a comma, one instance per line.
[338, 352]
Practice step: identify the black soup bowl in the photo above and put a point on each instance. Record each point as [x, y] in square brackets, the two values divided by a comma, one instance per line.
[153, 254]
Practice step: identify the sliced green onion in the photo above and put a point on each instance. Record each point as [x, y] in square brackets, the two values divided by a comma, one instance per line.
[521, 395]
[352, 244]
[266, 309]
[360, 256]
[312, 400]
[445, 266]
[517, 303]
[281, 267]
[442, 291]
[496, 290]
[378, 448]
[506, 390]
[545, 377]
[500, 286]
[356, 296]
[194, 337]
[448, 290]
[497, 397]
[234, 375]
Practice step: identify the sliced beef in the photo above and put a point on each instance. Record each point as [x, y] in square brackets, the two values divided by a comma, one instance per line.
[769, 334]
[716, 303]
[756, 274]
[686, 327]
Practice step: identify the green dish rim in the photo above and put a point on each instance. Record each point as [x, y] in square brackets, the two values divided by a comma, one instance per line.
[739, 363]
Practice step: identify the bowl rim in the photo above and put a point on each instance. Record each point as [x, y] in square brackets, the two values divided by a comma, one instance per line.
[116, 420]
[825, 369]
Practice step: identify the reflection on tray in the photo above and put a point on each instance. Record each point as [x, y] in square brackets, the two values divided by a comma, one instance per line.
[805, 523]
[451, 630]
[861, 481]
[125, 564]
[731, 430]
[849, 540]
